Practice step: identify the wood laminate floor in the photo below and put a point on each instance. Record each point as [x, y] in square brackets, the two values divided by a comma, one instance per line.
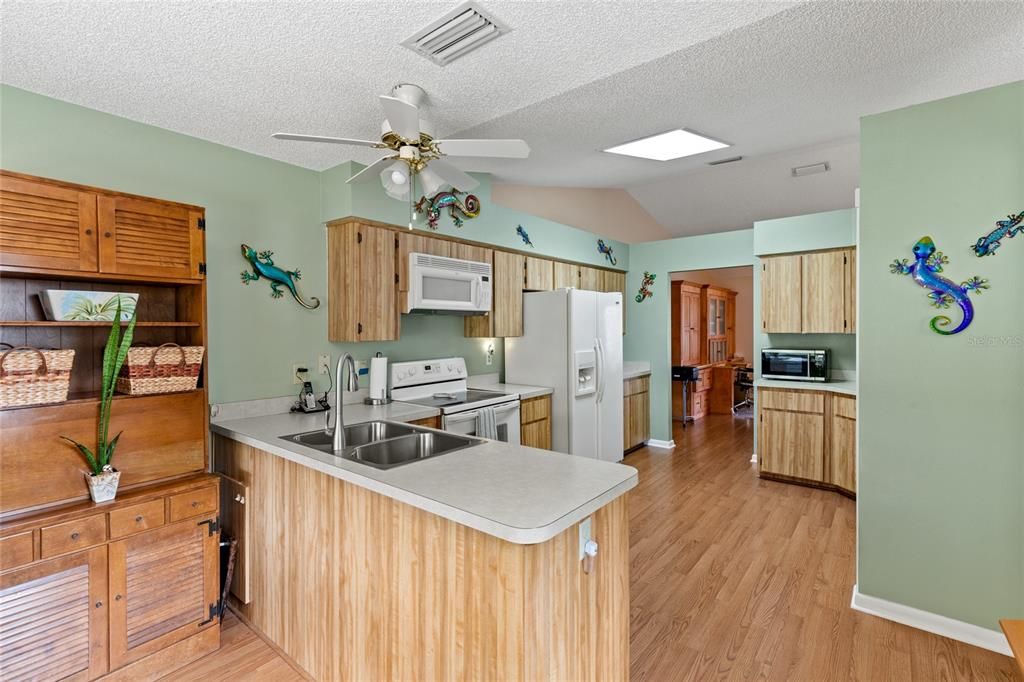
[732, 578]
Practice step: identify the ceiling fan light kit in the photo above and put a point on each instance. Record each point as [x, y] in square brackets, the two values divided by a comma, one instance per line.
[414, 151]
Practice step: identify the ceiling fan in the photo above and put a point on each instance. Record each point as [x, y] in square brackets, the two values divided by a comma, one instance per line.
[415, 152]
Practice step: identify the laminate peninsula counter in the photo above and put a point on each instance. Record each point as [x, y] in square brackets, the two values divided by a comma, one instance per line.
[463, 566]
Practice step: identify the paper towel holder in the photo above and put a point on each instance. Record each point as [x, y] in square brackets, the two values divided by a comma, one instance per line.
[378, 401]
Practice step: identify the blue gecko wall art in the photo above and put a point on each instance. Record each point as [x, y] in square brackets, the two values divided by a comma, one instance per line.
[263, 266]
[607, 251]
[987, 245]
[943, 292]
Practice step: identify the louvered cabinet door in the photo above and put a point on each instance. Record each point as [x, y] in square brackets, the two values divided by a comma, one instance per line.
[42, 226]
[163, 585]
[138, 237]
[53, 619]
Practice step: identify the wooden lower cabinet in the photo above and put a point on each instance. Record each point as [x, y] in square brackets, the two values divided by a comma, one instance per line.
[430, 422]
[397, 593]
[140, 602]
[53, 619]
[807, 437]
[535, 422]
[636, 412]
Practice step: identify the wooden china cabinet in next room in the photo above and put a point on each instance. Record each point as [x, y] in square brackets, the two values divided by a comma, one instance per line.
[128, 587]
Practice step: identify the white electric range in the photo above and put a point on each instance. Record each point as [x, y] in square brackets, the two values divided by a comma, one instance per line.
[443, 384]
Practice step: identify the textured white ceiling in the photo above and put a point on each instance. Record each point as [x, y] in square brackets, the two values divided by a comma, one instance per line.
[235, 72]
[572, 78]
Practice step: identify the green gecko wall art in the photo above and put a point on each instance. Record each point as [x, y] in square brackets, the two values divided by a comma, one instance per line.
[263, 267]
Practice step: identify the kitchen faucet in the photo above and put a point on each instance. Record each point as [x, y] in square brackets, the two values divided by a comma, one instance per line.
[353, 385]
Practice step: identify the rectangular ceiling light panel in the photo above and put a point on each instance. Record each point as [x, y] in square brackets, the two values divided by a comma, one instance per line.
[675, 144]
[456, 34]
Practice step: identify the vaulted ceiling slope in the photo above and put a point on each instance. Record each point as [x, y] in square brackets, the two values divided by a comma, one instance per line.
[779, 80]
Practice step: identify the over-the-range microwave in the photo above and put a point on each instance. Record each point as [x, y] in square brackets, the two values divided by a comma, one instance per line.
[796, 365]
[448, 285]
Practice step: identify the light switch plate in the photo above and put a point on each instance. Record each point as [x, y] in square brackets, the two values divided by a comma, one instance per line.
[585, 535]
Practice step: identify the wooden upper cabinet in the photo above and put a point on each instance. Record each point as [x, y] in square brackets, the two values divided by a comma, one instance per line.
[781, 294]
[139, 237]
[850, 290]
[567, 275]
[53, 619]
[612, 281]
[823, 282]
[363, 302]
[47, 226]
[506, 317]
[478, 325]
[591, 279]
[540, 274]
[164, 587]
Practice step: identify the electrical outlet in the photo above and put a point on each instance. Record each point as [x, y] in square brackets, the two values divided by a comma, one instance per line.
[489, 355]
[585, 535]
[323, 364]
[296, 377]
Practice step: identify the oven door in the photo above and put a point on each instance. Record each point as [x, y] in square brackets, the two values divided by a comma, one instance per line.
[785, 365]
[506, 418]
[438, 289]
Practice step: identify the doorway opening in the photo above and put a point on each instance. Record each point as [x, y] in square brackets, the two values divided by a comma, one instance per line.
[712, 340]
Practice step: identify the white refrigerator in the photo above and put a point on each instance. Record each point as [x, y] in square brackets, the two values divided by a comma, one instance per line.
[572, 342]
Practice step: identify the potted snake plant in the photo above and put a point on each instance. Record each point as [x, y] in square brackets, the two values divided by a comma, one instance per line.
[102, 476]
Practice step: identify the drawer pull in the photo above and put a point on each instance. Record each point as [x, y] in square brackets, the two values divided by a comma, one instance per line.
[195, 503]
[75, 536]
[138, 519]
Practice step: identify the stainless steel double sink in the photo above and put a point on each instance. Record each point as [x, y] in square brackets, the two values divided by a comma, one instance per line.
[385, 445]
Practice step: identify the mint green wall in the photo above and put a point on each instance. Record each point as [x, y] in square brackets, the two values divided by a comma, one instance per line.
[496, 224]
[255, 340]
[941, 482]
[648, 324]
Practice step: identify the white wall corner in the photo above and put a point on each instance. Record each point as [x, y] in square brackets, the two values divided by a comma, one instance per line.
[967, 633]
[661, 444]
[753, 458]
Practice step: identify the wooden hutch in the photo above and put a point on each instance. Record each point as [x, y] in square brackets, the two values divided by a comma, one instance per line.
[129, 587]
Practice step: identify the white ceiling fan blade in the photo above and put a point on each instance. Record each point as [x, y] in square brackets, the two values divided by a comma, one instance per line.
[452, 175]
[369, 174]
[508, 149]
[321, 138]
[403, 117]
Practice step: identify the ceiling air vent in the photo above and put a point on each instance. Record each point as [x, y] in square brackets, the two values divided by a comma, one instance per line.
[456, 34]
[731, 159]
[811, 169]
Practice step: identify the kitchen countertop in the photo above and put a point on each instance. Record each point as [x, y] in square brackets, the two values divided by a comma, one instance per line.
[519, 494]
[631, 369]
[845, 386]
[490, 383]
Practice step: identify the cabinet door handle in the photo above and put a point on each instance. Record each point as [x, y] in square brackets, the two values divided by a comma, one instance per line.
[195, 503]
[359, 327]
[107, 235]
[99, 604]
[88, 231]
[118, 598]
[138, 519]
[74, 536]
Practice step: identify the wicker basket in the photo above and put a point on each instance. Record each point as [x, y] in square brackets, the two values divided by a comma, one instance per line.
[29, 376]
[164, 369]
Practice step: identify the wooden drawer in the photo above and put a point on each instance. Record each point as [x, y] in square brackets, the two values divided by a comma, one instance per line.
[16, 550]
[137, 518]
[794, 401]
[699, 404]
[636, 385]
[535, 409]
[844, 406]
[703, 382]
[192, 503]
[73, 535]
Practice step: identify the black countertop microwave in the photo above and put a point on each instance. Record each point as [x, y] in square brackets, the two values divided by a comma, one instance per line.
[795, 365]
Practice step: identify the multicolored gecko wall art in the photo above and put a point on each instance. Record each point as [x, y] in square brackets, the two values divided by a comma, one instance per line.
[943, 292]
[987, 245]
[470, 207]
[263, 266]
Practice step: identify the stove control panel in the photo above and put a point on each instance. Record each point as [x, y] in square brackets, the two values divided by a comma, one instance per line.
[405, 374]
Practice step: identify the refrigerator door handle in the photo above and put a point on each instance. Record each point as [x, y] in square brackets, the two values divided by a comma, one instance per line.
[600, 371]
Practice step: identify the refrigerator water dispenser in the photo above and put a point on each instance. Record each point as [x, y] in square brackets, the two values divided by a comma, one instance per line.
[586, 372]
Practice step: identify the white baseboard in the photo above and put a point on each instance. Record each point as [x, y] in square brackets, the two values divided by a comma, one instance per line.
[753, 458]
[931, 622]
[661, 444]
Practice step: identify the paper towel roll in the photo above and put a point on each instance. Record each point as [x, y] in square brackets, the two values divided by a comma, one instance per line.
[378, 378]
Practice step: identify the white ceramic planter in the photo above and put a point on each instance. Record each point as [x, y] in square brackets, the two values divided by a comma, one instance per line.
[103, 487]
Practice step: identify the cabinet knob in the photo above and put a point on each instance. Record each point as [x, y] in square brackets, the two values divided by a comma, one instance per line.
[88, 231]
[99, 604]
[195, 503]
[118, 598]
[107, 235]
[74, 536]
[138, 519]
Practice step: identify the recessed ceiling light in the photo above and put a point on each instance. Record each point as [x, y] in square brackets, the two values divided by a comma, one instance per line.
[675, 144]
